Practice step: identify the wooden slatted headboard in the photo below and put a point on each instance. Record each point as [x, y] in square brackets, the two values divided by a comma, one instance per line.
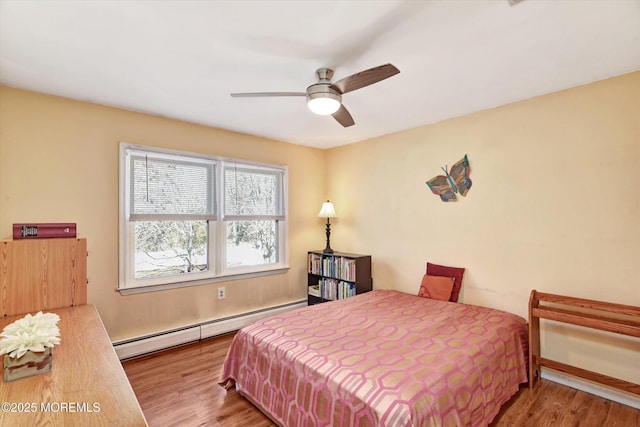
[42, 274]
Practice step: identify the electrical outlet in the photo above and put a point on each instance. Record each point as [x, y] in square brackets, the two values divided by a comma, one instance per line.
[221, 293]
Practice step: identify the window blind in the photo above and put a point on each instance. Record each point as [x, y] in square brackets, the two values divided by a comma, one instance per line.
[169, 187]
[253, 193]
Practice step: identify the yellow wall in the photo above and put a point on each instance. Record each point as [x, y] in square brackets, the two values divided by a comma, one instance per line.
[59, 163]
[554, 206]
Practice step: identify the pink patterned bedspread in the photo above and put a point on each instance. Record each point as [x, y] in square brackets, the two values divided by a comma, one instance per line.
[383, 358]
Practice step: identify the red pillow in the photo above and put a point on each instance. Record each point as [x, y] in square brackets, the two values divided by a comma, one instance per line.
[455, 272]
[436, 287]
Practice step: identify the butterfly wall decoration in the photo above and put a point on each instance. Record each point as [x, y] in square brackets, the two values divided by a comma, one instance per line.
[456, 181]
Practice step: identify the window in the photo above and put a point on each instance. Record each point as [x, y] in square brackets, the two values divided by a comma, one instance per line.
[191, 219]
[253, 209]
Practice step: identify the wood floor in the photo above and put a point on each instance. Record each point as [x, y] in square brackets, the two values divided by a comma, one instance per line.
[179, 387]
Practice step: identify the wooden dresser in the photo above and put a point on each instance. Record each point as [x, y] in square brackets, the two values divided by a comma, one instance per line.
[87, 385]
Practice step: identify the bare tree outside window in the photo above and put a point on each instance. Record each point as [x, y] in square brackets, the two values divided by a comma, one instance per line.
[170, 247]
[257, 237]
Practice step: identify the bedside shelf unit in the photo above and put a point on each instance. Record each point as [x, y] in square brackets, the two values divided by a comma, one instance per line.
[337, 275]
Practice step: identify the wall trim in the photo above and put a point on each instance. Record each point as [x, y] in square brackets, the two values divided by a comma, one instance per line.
[591, 388]
[139, 346]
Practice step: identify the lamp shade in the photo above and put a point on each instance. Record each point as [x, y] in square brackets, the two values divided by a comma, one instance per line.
[327, 210]
[323, 104]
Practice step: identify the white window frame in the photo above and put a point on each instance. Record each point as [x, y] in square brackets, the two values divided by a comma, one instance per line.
[279, 217]
[217, 271]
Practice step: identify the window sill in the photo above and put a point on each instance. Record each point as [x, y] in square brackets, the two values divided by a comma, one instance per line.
[208, 281]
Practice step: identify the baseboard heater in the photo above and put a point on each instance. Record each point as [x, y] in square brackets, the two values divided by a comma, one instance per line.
[591, 388]
[139, 346]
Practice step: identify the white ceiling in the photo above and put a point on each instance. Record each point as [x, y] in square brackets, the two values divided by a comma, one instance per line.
[182, 59]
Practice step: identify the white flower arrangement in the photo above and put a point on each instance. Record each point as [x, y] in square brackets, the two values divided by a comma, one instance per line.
[31, 333]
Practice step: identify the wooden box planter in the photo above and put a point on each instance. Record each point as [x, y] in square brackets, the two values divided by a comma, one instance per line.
[31, 363]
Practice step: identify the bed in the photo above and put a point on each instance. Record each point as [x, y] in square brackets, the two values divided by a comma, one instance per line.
[383, 358]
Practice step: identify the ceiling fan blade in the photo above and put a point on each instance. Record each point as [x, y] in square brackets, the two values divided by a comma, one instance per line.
[343, 117]
[365, 78]
[258, 94]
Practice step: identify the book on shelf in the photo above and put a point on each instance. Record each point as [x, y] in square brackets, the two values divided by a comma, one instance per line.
[315, 263]
[332, 289]
[346, 290]
[336, 266]
[314, 290]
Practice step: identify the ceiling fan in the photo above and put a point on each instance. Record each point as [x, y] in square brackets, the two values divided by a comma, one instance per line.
[325, 98]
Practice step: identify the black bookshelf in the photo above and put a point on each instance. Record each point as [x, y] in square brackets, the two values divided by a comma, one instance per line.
[337, 275]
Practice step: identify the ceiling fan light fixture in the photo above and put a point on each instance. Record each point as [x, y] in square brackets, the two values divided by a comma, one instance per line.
[325, 98]
[323, 104]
